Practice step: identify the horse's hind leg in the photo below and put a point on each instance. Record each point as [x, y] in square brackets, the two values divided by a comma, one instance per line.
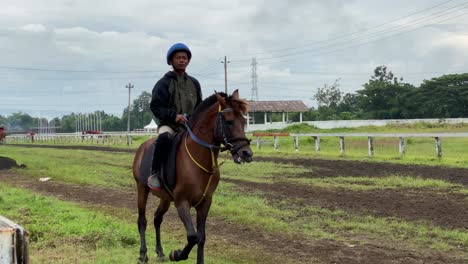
[184, 213]
[158, 218]
[142, 199]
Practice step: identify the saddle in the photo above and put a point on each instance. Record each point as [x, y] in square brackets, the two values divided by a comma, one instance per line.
[168, 168]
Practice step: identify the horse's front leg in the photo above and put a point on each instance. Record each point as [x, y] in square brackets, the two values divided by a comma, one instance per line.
[183, 209]
[202, 214]
[158, 218]
[142, 199]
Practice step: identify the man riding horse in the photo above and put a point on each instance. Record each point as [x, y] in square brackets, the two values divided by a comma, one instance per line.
[174, 97]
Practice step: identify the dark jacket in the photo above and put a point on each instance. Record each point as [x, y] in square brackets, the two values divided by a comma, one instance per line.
[163, 102]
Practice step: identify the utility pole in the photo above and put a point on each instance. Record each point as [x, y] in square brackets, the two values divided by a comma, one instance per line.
[225, 73]
[129, 86]
[254, 80]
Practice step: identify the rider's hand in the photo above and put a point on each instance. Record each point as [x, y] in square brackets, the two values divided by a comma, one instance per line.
[181, 119]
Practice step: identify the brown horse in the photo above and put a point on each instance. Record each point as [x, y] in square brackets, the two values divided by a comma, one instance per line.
[217, 121]
[2, 135]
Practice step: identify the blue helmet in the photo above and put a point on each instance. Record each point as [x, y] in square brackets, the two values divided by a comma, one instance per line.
[177, 47]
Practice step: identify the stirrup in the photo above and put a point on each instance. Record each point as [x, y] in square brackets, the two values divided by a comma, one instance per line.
[154, 183]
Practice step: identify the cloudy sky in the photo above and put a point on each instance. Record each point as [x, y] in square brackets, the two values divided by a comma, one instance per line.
[63, 56]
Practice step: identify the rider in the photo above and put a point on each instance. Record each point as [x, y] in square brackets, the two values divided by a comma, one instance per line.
[175, 95]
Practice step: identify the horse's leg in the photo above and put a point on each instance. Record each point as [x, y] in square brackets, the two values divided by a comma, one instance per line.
[184, 213]
[158, 218]
[142, 199]
[202, 214]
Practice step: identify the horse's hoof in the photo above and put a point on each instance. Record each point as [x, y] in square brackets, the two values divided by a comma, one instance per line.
[174, 255]
[142, 260]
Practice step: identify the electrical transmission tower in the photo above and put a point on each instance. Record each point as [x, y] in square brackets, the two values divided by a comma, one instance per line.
[254, 80]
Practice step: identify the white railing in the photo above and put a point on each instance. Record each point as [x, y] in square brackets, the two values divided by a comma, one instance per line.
[370, 139]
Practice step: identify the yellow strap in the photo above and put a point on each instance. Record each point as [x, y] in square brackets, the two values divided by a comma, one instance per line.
[194, 161]
[214, 165]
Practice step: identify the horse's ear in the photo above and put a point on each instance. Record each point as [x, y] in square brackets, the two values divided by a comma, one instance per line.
[235, 94]
[220, 98]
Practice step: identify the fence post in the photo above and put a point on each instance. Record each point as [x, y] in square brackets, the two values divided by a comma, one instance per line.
[317, 143]
[370, 146]
[342, 146]
[438, 146]
[276, 142]
[259, 142]
[296, 143]
[402, 146]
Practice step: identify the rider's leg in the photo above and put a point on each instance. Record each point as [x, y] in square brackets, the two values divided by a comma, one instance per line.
[162, 143]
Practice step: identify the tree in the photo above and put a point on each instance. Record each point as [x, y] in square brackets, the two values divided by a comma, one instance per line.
[332, 102]
[329, 95]
[445, 96]
[3, 120]
[140, 112]
[21, 122]
[384, 97]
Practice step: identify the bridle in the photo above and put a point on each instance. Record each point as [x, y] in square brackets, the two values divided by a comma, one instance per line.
[226, 141]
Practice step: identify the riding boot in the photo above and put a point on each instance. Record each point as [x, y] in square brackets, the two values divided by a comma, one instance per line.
[154, 180]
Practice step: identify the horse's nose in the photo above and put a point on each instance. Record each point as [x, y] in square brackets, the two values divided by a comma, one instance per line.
[247, 155]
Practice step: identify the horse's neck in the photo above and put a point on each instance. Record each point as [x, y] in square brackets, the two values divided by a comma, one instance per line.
[203, 128]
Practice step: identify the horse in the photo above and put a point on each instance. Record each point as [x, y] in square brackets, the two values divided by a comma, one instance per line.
[2, 136]
[217, 124]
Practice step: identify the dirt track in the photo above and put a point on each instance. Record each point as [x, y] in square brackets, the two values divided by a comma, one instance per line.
[448, 210]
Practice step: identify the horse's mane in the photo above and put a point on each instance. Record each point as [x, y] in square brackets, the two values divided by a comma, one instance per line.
[239, 105]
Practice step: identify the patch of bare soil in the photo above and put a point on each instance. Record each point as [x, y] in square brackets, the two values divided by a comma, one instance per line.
[335, 168]
[298, 249]
[446, 210]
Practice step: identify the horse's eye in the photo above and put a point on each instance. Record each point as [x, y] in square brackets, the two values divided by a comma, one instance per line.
[229, 123]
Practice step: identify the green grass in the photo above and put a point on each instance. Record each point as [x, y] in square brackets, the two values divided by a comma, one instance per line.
[230, 203]
[389, 182]
[259, 171]
[111, 169]
[56, 227]
[422, 127]
[64, 232]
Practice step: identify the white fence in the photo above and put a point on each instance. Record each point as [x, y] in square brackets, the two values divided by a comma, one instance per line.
[370, 139]
[356, 123]
[107, 138]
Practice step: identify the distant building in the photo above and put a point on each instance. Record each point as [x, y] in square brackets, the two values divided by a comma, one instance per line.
[270, 107]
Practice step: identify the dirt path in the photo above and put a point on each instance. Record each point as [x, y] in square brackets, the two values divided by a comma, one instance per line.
[299, 249]
[335, 168]
[441, 209]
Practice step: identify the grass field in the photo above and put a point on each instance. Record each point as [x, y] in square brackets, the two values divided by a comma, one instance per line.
[95, 234]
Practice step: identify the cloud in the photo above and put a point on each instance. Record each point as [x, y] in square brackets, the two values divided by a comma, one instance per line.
[299, 46]
[35, 28]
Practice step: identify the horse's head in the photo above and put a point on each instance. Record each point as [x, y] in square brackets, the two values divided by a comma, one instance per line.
[230, 126]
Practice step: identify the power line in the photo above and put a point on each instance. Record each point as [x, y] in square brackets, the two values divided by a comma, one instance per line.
[345, 35]
[370, 36]
[360, 44]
